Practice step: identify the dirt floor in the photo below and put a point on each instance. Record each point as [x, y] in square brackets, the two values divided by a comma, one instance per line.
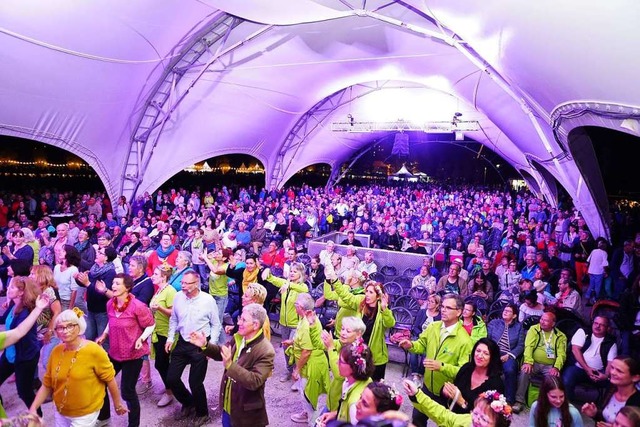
[281, 401]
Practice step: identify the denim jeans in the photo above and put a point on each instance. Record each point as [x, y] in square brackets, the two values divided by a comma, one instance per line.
[96, 324]
[221, 302]
[595, 285]
[510, 369]
[416, 363]
[572, 376]
[202, 271]
[45, 353]
[226, 419]
[287, 334]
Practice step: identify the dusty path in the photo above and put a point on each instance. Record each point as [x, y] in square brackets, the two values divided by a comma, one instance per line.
[281, 401]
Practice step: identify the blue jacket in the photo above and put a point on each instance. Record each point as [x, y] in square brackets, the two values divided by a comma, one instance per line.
[421, 317]
[516, 335]
[28, 347]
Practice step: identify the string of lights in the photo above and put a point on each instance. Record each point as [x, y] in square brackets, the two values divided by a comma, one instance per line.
[44, 164]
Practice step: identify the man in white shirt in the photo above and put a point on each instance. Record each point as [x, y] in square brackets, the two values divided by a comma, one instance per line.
[193, 311]
[593, 352]
[368, 265]
[598, 260]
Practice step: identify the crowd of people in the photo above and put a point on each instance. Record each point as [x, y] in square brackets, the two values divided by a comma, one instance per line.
[180, 277]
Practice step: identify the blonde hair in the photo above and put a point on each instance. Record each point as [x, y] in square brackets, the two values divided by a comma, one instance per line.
[29, 288]
[256, 292]
[301, 269]
[70, 316]
[43, 276]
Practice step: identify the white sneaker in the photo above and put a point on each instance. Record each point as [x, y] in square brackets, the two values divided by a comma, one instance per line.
[103, 423]
[165, 400]
[294, 386]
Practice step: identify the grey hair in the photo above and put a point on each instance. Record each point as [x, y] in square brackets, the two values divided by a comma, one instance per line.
[256, 312]
[186, 255]
[305, 301]
[28, 235]
[141, 260]
[354, 323]
[458, 299]
[70, 316]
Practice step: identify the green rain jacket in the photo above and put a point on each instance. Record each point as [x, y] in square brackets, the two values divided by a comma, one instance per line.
[288, 315]
[452, 352]
[344, 309]
[384, 320]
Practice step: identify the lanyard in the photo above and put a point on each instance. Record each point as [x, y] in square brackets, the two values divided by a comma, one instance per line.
[547, 342]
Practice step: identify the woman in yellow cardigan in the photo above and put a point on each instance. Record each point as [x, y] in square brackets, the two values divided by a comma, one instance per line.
[77, 373]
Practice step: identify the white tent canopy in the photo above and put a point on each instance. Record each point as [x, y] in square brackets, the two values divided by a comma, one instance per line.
[403, 172]
[143, 89]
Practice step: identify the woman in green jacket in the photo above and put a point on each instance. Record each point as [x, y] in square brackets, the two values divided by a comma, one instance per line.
[356, 366]
[373, 307]
[489, 410]
[472, 323]
[289, 290]
[352, 330]
[311, 367]
[354, 280]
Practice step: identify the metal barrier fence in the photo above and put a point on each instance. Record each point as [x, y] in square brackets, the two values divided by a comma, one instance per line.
[387, 261]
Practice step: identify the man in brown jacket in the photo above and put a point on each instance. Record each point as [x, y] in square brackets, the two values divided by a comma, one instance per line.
[248, 362]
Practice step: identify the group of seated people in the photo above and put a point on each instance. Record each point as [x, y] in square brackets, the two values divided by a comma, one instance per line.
[221, 249]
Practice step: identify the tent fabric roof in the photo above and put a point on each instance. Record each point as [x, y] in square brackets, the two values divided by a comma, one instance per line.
[403, 172]
[141, 90]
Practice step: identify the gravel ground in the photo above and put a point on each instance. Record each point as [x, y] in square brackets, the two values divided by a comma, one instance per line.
[281, 401]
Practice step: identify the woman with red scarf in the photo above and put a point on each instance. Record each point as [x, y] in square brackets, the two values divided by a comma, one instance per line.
[130, 324]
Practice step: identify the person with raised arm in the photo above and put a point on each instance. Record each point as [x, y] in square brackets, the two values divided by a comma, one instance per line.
[248, 363]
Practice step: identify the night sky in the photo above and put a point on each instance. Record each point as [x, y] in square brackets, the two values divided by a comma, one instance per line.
[434, 155]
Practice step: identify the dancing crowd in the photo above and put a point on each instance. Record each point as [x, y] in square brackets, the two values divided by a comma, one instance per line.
[172, 279]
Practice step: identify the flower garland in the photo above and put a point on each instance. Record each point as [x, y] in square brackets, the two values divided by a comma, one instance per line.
[357, 349]
[498, 403]
[123, 307]
[393, 393]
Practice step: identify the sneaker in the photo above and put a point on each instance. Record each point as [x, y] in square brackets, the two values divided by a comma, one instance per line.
[202, 420]
[184, 413]
[517, 407]
[301, 418]
[285, 378]
[294, 386]
[103, 423]
[165, 400]
[143, 387]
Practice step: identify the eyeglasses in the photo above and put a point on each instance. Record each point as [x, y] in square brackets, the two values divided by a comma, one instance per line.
[188, 283]
[102, 252]
[446, 307]
[67, 328]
